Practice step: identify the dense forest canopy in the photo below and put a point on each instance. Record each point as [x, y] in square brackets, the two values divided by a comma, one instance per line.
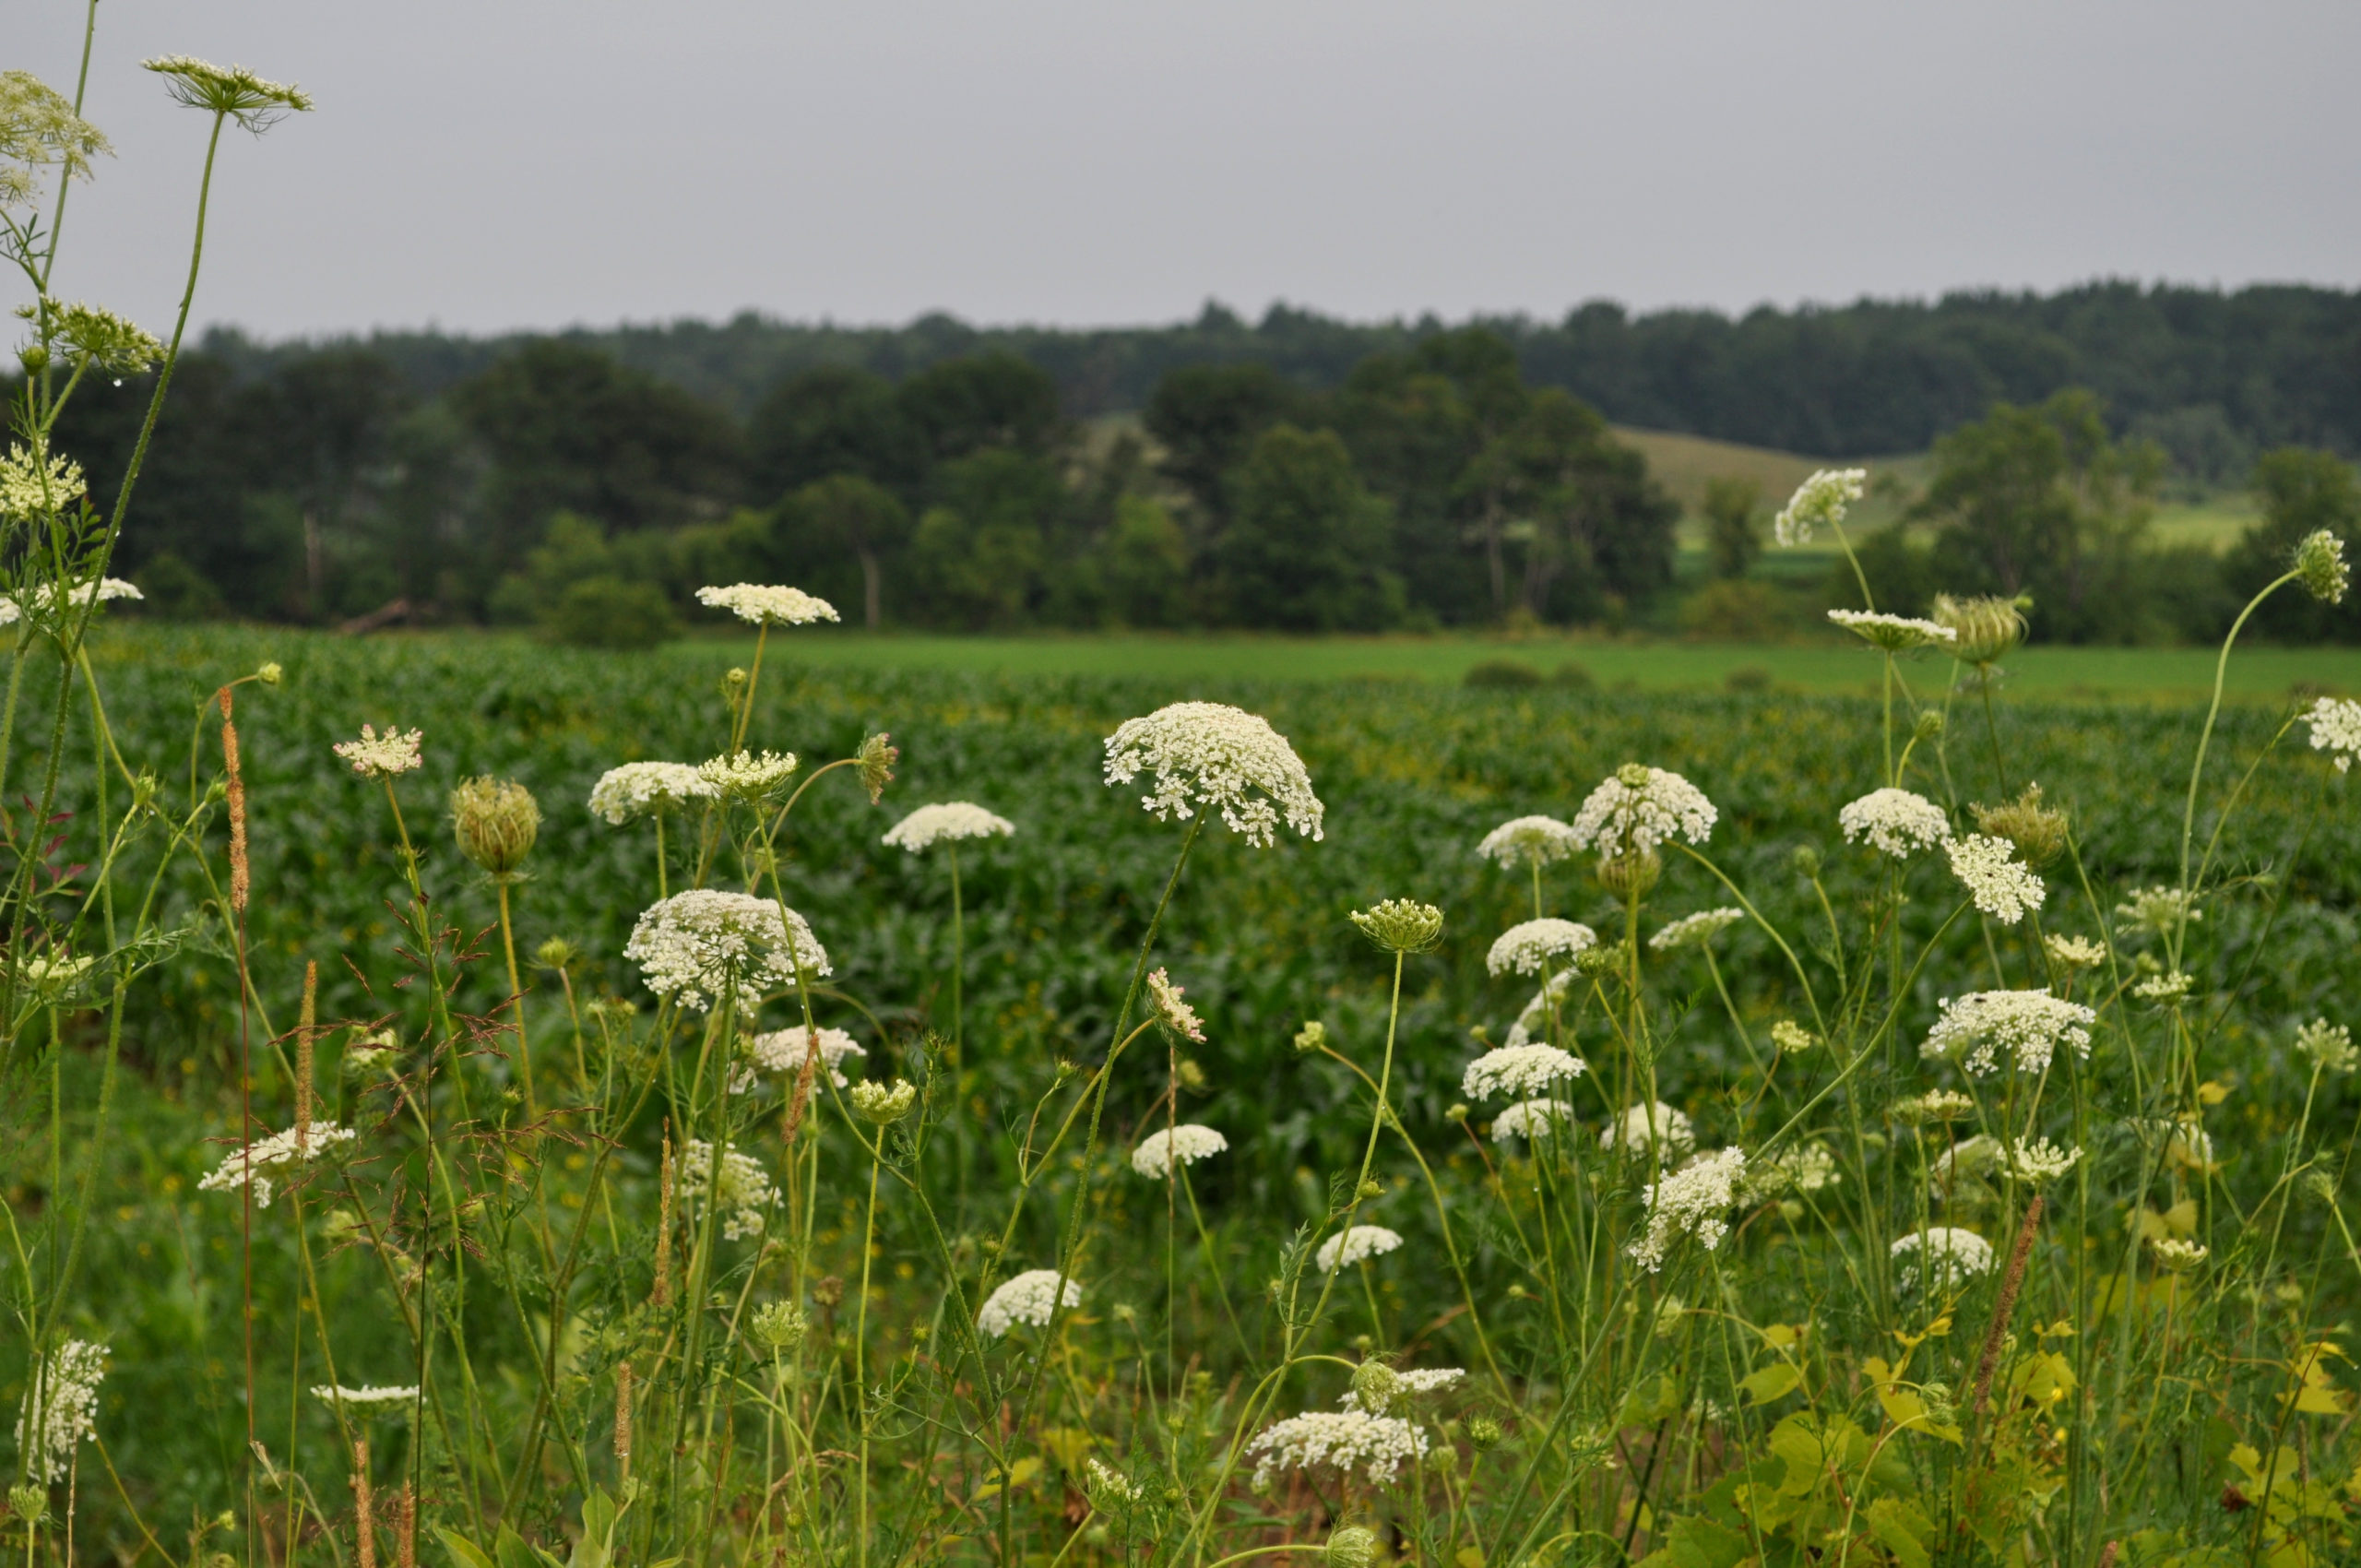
[2263, 366]
[1299, 474]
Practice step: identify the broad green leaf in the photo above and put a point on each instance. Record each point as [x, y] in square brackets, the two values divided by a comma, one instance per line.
[1698, 1543]
[1769, 1383]
[1902, 1529]
[463, 1550]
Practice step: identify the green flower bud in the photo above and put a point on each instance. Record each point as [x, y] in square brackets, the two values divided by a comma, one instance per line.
[779, 1327]
[1484, 1433]
[495, 822]
[554, 954]
[2320, 567]
[1985, 630]
[1401, 925]
[1629, 875]
[1805, 859]
[1311, 1036]
[1352, 1547]
[270, 673]
[874, 1102]
[1377, 1386]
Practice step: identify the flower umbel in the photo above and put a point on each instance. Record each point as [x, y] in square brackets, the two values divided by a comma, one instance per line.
[1378, 1446]
[745, 776]
[1660, 1123]
[1209, 755]
[1523, 1070]
[2028, 1025]
[695, 945]
[2327, 1046]
[1999, 885]
[1401, 925]
[647, 789]
[61, 1407]
[1164, 999]
[765, 605]
[1695, 930]
[254, 102]
[1355, 1244]
[279, 1152]
[1693, 1201]
[1819, 499]
[1530, 1119]
[2336, 728]
[1184, 1145]
[948, 823]
[1893, 633]
[1526, 947]
[1528, 841]
[381, 756]
[2320, 567]
[1031, 1297]
[1895, 822]
[744, 1187]
[1940, 1256]
[1639, 808]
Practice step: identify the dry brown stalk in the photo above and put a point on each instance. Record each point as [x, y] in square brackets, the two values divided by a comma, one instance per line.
[408, 1538]
[663, 1293]
[241, 877]
[307, 1030]
[623, 1418]
[366, 1530]
[2005, 1307]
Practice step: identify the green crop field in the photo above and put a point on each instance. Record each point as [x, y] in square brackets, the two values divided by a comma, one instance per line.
[1412, 772]
[1181, 661]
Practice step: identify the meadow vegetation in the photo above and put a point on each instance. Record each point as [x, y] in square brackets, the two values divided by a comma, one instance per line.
[475, 1103]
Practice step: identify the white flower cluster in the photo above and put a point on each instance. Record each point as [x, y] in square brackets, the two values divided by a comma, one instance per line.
[1809, 1170]
[2039, 1163]
[1695, 930]
[2166, 987]
[61, 1407]
[2336, 728]
[379, 757]
[1208, 755]
[1943, 1255]
[2000, 886]
[1660, 1123]
[1895, 634]
[1520, 1070]
[2177, 1254]
[1535, 1018]
[1525, 947]
[746, 776]
[767, 605]
[1895, 822]
[1343, 1440]
[744, 1187]
[1528, 841]
[2028, 1025]
[695, 945]
[2074, 952]
[45, 596]
[1165, 999]
[954, 820]
[1819, 499]
[369, 1396]
[1639, 808]
[1107, 1486]
[1530, 1119]
[785, 1050]
[1967, 1160]
[1355, 1243]
[2158, 909]
[1694, 1200]
[1031, 1297]
[646, 789]
[277, 1152]
[33, 487]
[1187, 1143]
[2327, 1046]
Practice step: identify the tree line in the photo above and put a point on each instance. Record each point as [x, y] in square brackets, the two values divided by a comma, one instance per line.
[1435, 484]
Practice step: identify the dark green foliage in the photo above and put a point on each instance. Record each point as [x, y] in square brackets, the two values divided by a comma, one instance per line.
[1308, 548]
[1502, 675]
[2301, 493]
[609, 613]
[1734, 535]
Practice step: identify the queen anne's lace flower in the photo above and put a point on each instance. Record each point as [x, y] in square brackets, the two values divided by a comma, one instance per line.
[1639, 808]
[1788, 1036]
[2000, 886]
[1535, 1018]
[2166, 987]
[2178, 1255]
[44, 597]
[646, 789]
[2028, 1025]
[279, 1152]
[1355, 1243]
[1694, 1200]
[2074, 952]
[33, 487]
[745, 1188]
[1809, 1170]
[1187, 1143]
[1819, 499]
[2039, 1163]
[784, 1051]
[1378, 1446]
[954, 820]
[366, 1397]
[1525, 947]
[1531, 1119]
[1943, 1255]
[1109, 1488]
[746, 776]
[1031, 1297]
[2328, 1046]
[1935, 1105]
[1895, 822]
[1174, 1014]
[2158, 909]
[1669, 1129]
[1207, 754]
[1967, 1161]
[1895, 634]
[767, 605]
[2336, 728]
[1520, 1070]
[1528, 841]
[379, 757]
[695, 945]
[1695, 930]
[61, 1407]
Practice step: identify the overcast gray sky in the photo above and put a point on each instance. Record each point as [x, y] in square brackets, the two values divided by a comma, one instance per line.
[487, 164]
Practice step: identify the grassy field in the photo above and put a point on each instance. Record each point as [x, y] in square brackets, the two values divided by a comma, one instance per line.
[1178, 662]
